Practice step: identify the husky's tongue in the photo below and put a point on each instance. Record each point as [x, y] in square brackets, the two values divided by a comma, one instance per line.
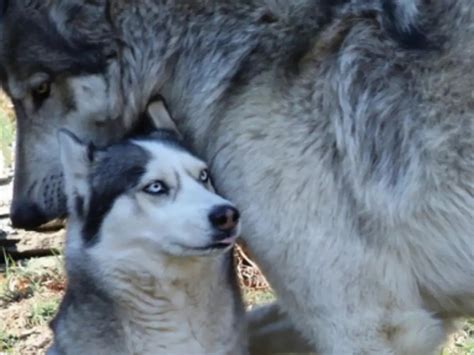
[228, 240]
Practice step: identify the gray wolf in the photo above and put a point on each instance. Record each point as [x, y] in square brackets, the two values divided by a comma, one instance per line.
[148, 252]
[343, 130]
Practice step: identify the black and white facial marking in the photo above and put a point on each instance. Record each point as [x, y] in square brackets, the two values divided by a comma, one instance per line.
[115, 171]
[148, 189]
[172, 207]
[96, 177]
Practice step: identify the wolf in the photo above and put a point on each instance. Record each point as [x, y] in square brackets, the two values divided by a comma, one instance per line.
[343, 130]
[148, 255]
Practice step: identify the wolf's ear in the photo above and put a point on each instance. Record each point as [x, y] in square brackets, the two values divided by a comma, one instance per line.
[76, 159]
[160, 117]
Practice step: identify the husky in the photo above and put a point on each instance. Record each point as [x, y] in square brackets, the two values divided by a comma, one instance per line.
[148, 251]
[343, 130]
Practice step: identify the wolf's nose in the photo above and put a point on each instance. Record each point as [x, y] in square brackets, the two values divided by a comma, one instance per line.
[26, 215]
[224, 218]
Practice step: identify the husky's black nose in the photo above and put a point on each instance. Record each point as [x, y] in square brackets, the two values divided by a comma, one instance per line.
[224, 218]
[26, 215]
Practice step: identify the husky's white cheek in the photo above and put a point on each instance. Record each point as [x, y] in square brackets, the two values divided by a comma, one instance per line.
[172, 224]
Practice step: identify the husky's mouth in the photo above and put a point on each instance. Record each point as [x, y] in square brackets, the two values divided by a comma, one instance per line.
[222, 242]
[217, 246]
[220, 245]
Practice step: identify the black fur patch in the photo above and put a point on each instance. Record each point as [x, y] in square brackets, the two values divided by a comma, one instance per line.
[115, 170]
[90, 151]
[409, 38]
[79, 206]
[326, 7]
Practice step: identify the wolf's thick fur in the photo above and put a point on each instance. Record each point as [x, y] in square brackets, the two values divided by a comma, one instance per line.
[147, 273]
[345, 132]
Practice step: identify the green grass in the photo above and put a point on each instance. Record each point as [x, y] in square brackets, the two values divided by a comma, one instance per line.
[23, 280]
[258, 297]
[17, 283]
[30, 292]
[42, 312]
[7, 341]
[463, 342]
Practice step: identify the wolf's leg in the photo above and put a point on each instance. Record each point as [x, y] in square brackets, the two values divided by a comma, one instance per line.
[409, 332]
[369, 329]
[271, 332]
[364, 303]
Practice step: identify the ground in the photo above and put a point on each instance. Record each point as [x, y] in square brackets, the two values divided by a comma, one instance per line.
[31, 289]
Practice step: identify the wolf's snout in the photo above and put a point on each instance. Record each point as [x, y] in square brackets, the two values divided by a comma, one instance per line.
[224, 218]
[27, 215]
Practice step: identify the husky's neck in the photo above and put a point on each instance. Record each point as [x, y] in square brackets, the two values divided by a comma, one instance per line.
[184, 309]
[191, 52]
[181, 305]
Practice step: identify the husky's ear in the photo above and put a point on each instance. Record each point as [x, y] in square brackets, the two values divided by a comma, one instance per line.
[160, 117]
[76, 159]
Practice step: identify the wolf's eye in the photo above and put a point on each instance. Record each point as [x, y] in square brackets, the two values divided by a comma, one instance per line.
[156, 188]
[204, 176]
[42, 91]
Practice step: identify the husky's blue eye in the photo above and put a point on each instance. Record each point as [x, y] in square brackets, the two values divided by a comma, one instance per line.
[204, 176]
[156, 188]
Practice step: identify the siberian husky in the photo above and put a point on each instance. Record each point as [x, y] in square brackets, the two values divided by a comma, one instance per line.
[148, 252]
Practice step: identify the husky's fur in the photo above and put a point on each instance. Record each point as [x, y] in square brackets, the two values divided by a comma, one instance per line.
[344, 129]
[146, 274]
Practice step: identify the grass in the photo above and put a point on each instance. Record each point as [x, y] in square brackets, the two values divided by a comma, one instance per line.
[16, 285]
[462, 343]
[30, 292]
[42, 312]
[258, 297]
[23, 280]
[7, 341]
